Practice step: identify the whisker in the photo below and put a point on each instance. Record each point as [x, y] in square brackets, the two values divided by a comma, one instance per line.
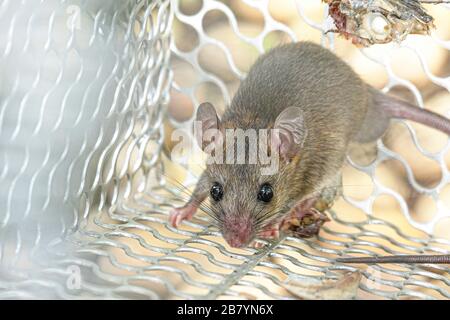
[265, 219]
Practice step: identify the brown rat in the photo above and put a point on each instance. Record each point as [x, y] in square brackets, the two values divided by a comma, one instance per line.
[318, 105]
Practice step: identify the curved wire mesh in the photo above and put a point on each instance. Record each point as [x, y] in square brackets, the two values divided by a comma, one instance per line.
[87, 179]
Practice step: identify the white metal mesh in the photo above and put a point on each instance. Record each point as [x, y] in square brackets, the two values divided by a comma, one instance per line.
[86, 181]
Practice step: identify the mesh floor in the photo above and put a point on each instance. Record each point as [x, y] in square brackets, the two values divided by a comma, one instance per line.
[131, 252]
[84, 215]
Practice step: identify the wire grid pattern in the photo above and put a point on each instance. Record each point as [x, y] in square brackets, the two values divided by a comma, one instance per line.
[113, 231]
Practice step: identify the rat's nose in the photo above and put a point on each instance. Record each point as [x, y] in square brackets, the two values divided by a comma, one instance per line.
[237, 231]
[236, 243]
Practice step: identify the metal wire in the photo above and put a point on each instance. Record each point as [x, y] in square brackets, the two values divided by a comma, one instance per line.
[84, 190]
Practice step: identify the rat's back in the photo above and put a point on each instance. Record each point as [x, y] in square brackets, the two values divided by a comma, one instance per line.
[306, 75]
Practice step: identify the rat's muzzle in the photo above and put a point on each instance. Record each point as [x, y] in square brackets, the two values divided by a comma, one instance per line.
[237, 232]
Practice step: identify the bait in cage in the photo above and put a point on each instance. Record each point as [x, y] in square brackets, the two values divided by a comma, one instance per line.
[92, 93]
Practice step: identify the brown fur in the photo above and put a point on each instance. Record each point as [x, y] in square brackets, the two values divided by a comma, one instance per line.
[312, 78]
[337, 107]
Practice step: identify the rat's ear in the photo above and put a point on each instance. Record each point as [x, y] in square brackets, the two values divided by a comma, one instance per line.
[290, 132]
[206, 119]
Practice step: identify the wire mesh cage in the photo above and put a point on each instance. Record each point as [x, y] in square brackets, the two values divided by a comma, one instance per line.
[90, 94]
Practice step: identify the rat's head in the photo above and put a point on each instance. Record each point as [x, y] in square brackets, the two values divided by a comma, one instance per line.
[240, 197]
[244, 195]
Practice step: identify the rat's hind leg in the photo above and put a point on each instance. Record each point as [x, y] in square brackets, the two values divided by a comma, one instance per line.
[186, 212]
[329, 194]
[375, 122]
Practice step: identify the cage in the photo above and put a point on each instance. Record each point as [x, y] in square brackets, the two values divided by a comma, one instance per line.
[90, 94]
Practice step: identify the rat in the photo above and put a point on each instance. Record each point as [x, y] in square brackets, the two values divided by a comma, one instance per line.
[317, 105]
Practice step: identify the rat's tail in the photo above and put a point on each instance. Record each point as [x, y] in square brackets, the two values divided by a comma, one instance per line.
[396, 108]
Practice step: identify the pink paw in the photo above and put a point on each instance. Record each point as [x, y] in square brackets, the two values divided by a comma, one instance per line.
[257, 244]
[272, 232]
[179, 214]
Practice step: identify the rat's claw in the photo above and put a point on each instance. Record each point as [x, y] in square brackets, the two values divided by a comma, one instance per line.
[257, 244]
[271, 232]
[177, 215]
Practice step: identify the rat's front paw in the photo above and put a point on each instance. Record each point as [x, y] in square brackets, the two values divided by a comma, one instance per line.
[269, 232]
[272, 232]
[179, 214]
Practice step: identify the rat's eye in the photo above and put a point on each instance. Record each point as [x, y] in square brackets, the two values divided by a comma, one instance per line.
[216, 191]
[265, 193]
